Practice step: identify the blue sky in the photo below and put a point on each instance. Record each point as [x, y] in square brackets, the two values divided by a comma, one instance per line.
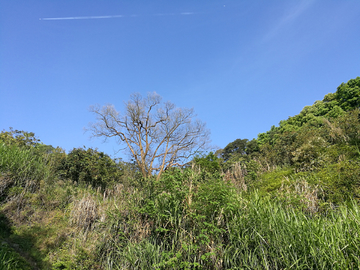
[242, 65]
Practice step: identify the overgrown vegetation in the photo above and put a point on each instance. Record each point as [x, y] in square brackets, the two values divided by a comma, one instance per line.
[286, 200]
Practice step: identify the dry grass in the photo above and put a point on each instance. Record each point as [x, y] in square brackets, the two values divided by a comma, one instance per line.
[111, 193]
[237, 176]
[265, 165]
[84, 212]
[335, 132]
[309, 195]
[5, 182]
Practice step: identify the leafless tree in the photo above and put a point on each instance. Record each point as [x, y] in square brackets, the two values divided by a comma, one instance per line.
[159, 135]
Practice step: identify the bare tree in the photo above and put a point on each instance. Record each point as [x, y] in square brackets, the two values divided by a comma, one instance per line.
[158, 135]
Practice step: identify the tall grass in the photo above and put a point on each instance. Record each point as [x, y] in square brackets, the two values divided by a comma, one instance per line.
[21, 167]
[187, 220]
[267, 235]
[260, 234]
[10, 260]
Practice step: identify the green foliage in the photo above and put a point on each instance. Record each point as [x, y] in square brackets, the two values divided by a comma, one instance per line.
[185, 203]
[240, 148]
[21, 167]
[209, 163]
[344, 130]
[306, 141]
[268, 137]
[272, 181]
[194, 220]
[82, 260]
[26, 140]
[256, 233]
[179, 192]
[214, 198]
[91, 167]
[341, 181]
[10, 259]
[25, 162]
[310, 151]
[252, 170]
[19, 137]
[169, 197]
[266, 235]
[289, 201]
[348, 94]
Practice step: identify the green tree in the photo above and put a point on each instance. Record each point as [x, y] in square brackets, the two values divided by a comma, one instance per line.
[252, 147]
[237, 147]
[348, 94]
[19, 137]
[209, 163]
[28, 140]
[269, 136]
[91, 167]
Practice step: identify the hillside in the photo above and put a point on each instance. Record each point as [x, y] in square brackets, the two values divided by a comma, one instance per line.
[287, 199]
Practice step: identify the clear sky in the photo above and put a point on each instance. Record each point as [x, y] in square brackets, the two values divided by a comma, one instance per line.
[243, 65]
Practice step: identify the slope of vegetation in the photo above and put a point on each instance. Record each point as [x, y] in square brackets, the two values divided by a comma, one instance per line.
[286, 200]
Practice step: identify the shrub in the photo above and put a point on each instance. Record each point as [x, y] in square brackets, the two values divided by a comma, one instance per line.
[209, 163]
[340, 181]
[91, 167]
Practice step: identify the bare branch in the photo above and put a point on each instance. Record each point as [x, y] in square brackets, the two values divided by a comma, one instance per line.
[158, 135]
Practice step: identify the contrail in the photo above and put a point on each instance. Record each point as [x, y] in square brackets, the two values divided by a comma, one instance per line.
[82, 18]
[109, 16]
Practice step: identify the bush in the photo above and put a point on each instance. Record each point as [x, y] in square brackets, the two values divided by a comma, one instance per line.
[340, 181]
[90, 167]
[209, 163]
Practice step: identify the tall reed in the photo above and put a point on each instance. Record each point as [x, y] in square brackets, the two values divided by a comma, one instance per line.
[267, 235]
[22, 166]
[244, 233]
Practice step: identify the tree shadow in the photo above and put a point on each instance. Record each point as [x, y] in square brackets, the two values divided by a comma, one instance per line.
[23, 245]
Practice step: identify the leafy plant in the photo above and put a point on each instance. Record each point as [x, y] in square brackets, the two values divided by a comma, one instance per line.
[91, 167]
